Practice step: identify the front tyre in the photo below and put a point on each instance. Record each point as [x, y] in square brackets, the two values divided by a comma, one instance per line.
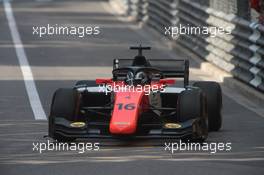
[64, 105]
[192, 105]
[213, 93]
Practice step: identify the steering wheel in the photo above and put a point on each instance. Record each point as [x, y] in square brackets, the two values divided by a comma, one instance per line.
[137, 75]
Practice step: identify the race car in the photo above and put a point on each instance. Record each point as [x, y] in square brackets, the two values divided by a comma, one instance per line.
[141, 100]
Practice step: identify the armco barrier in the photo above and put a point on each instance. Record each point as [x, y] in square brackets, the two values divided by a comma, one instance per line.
[241, 53]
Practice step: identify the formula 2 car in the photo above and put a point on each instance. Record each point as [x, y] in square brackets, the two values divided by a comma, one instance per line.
[139, 101]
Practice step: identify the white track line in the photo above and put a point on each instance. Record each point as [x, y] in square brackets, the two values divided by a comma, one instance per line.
[215, 159]
[33, 96]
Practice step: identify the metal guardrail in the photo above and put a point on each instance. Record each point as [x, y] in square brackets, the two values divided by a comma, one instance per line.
[241, 53]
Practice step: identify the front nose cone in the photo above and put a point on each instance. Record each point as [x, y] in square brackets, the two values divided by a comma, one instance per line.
[121, 128]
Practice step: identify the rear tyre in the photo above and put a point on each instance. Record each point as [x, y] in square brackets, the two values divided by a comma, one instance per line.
[213, 93]
[64, 105]
[192, 105]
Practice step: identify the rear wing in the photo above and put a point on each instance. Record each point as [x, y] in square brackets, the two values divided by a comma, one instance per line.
[170, 68]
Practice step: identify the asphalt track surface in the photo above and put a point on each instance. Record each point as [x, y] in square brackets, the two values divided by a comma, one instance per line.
[58, 61]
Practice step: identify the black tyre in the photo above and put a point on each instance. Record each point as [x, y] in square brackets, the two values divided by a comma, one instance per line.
[64, 105]
[213, 93]
[192, 104]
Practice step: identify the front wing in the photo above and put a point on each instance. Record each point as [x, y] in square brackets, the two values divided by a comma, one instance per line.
[178, 130]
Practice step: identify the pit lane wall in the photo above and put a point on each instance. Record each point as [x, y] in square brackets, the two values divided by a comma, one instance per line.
[240, 53]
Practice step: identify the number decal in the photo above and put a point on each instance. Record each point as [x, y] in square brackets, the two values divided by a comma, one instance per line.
[120, 106]
[129, 106]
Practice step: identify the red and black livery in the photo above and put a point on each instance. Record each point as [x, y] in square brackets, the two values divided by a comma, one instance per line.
[169, 111]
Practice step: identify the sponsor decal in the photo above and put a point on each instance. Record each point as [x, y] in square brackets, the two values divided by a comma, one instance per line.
[172, 125]
[122, 123]
[77, 124]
